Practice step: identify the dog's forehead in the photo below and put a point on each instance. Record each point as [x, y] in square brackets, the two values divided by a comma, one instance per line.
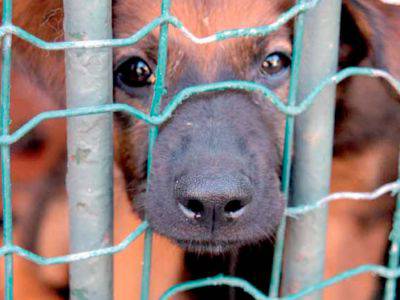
[201, 17]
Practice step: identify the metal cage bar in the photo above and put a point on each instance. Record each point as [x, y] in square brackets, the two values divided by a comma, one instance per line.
[305, 237]
[89, 84]
[5, 152]
[90, 148]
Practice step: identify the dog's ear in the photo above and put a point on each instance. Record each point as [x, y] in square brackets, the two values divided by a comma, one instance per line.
[371, 29]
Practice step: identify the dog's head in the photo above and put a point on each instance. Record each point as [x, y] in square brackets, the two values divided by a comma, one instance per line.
[215, 178]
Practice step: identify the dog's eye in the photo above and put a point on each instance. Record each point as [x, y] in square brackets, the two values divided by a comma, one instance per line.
[133, 73]
[275, 63]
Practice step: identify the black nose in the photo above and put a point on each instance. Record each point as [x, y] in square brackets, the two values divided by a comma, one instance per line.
[213, 200]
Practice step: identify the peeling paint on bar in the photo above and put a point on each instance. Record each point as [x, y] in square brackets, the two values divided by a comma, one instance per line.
[90, 149]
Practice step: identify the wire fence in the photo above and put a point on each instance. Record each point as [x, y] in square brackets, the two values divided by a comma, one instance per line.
[156, 117]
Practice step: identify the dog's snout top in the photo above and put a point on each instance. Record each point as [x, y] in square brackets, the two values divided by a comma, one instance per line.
[213, 182]
[213, 200]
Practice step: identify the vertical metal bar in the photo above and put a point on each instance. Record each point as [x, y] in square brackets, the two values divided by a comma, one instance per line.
[305, 237]
[159, 91]
[391, 284]
[5, 151]
[90, 148]
[287, 153]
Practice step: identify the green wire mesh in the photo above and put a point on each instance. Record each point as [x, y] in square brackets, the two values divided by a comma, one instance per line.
[157, 117]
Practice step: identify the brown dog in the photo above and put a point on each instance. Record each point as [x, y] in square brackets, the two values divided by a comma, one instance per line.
[215, 180]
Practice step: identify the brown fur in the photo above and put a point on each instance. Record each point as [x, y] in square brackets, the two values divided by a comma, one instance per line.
[44, 21]
[358, 147]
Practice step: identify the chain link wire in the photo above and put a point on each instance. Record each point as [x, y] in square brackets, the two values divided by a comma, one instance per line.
[155, 118]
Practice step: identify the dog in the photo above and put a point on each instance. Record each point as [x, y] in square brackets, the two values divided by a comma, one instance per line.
[215, 180]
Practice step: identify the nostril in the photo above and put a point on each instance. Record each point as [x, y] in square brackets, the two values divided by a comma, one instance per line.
[192, 208]
[234, 208]
[195, 206]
